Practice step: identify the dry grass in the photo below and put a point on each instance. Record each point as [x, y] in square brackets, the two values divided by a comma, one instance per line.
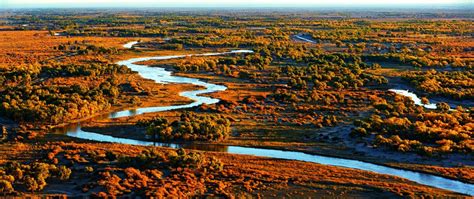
[266, 177]
[27, 47]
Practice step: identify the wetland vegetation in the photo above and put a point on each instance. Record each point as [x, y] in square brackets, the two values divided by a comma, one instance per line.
[303, 81]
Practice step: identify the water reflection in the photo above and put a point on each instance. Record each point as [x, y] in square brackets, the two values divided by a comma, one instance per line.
[207, 147]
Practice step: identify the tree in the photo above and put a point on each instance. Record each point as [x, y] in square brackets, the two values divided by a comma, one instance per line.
[6, 187]
[425, 100]
[31, 184]
[189, 127]
[4, 133]
[64, 172]
[443, 106]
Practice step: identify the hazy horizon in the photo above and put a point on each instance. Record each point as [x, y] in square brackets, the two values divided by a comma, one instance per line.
[421, 4]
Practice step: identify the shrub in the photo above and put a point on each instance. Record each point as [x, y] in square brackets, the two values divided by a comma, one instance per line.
[64, 173]
[359, 131]
[146, 159]
[401, 126]
[89, 169]
[215, 164]
[184, 159]
[6, 187]
[442, 106]
[31, 184]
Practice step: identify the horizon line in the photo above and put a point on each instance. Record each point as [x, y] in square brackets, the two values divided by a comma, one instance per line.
[237, 6]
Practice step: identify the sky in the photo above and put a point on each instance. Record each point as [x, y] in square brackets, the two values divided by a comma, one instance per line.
[219, 3]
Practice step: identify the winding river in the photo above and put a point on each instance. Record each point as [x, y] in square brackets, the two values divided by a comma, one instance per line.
[160, 75]
[300, 37]
[130, 44]
[413, 97]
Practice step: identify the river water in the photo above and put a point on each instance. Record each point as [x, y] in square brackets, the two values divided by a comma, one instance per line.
[300, 37]
[413, 97]
[160, 75]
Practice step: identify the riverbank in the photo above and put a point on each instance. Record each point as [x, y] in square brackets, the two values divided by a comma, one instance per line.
[161, 94]
[242, 174]
[236, 94]
[454, 166]
[395, 81]
[91, 136]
